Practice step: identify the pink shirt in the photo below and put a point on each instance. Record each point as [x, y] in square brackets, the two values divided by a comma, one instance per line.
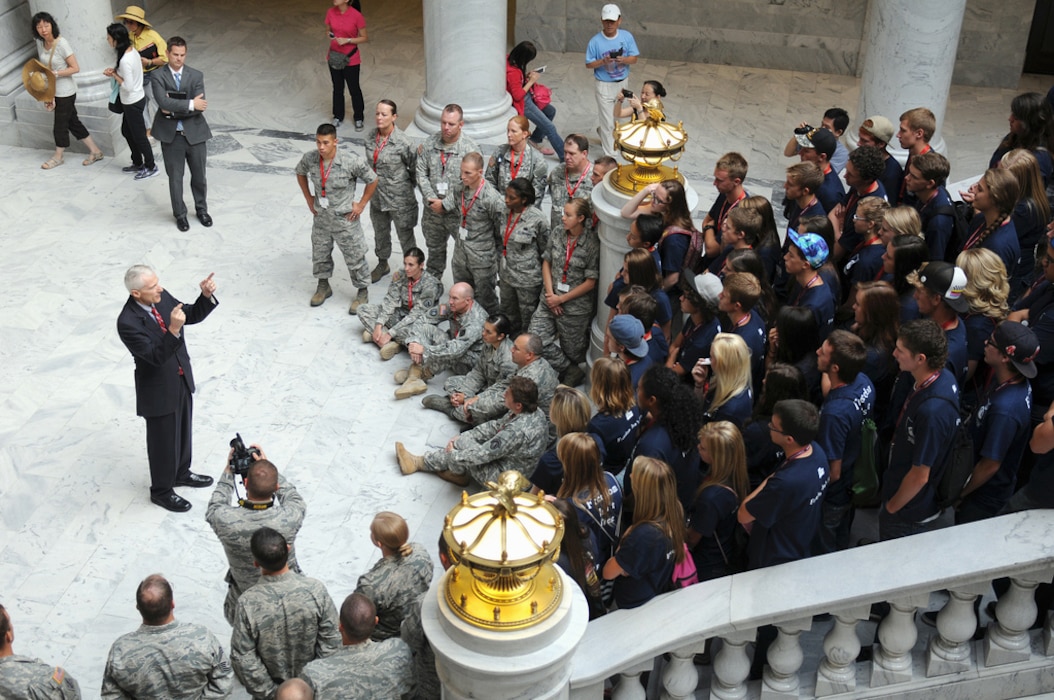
[345, 26]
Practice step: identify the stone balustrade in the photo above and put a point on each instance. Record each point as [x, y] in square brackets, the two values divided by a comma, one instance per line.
[1011, 660]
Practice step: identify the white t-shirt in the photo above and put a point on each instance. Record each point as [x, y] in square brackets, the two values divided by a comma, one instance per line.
[55, 58]
[131, 71]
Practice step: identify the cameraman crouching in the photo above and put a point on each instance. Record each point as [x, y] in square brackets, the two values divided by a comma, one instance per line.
[235, 520]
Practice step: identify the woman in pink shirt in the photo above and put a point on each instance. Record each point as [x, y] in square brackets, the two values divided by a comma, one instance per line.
[347, 30]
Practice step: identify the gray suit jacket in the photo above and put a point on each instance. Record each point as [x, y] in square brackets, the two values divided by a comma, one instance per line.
[195, 128]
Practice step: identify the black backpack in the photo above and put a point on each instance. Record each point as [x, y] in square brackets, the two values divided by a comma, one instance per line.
[960, 213]
[958, 465]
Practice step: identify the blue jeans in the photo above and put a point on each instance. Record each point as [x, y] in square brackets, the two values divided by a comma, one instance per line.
[543, 119]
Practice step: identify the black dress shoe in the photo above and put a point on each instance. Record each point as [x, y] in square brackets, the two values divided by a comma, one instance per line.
[171, 502]
[195, 481]
[181, 223]
[205, 219]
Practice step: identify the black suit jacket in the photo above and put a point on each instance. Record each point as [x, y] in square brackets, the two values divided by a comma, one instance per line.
[159, 355]
[195, 128]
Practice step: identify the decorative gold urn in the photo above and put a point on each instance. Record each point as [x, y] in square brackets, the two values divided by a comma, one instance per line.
[503, 544]
[647, 144]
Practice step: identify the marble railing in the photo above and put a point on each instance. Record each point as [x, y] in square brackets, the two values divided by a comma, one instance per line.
[1011, 661]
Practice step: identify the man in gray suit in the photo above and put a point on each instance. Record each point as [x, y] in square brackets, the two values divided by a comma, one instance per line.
[181, 128]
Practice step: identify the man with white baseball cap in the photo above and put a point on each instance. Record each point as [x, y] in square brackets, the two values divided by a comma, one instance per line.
[609, 55]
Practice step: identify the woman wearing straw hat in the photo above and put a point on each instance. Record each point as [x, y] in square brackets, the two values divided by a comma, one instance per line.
[58, 90]
[153, 52]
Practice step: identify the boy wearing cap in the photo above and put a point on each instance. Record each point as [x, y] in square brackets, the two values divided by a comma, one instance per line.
[923, 433]
[805, 255]
[924, 179]
[817, 146]
[917, 127]
[635, 302]
[627, 340]
[1001, 422]
[939, 293]
[877, 131]
[609, 55]
[699, 301]
[835, 120]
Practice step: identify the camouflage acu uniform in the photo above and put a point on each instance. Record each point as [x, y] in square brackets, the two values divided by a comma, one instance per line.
[392, 584]
[330, 224]
[457, 348]
[367, 671]
[177, 660]
[282, 623]
[514, 441]
[545, 378]
[234, 526]
[396, 313]
[481, 214]
[566, 336]
[525, 239]
[426, 680]
[23, 678]
[563, 188]
[487, 380]
[505, 165]
[438, 161]
[395, 162]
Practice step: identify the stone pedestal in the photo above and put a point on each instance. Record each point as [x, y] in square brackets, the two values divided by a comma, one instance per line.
[531, 663]
[468, 71]
[907, 59]
[83, 24]
[608, 203]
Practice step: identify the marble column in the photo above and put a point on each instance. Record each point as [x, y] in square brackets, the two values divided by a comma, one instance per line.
[464, 51]
[907, 58]
[534, 662]
[607, 203]
[83, 25]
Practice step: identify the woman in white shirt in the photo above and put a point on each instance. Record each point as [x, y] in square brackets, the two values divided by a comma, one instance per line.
[55, 53]
[129, 76]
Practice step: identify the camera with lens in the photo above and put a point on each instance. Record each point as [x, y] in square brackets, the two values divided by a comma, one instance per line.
[802, 130]
[242, 457]
[616, 53]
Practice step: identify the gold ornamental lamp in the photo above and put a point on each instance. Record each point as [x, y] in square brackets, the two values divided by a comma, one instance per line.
[647, 144]
[503, 544]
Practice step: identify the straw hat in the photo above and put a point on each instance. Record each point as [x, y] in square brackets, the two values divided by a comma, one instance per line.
[39, 81]
[136, 14]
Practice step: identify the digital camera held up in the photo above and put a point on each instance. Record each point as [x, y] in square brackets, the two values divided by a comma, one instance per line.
[243, 457]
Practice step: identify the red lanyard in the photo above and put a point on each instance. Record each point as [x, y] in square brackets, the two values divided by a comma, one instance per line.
[567, 181]
[743, 321]
[572, 243]
[378, 147]
[442, 158]
[794, 456]
[514, 166]
[510, 226]
[726, 207]
[808, 285]
[972, 241]
[412, 282]
[465, 210]
[929, 380]
[324, 174]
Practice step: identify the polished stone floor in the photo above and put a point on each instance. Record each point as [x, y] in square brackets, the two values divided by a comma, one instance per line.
[77, 532]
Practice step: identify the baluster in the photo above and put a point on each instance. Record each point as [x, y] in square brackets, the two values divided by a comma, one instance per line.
[732, 667]
[950, 648]
[780, 679]
[1007, 639]
[629, 687]
[841, 646]
[679, 676]
[1048, 635]
[896, 637]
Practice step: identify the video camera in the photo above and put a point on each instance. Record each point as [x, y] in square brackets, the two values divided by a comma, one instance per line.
[243, 457]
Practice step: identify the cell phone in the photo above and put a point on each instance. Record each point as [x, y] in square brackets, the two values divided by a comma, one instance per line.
[627, 93]
[540, 70]
[332, 35]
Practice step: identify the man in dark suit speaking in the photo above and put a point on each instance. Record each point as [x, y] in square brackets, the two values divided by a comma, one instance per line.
[151, 327]
[181, 128]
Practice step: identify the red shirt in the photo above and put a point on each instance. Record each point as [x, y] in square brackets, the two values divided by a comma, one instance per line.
[514, 86]
[345, 26]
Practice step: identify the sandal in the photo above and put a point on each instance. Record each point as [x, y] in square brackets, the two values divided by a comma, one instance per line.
[51, 163]
[93, 158]
[544, 150]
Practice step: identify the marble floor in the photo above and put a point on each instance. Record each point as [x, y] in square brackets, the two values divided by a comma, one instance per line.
[77, 532]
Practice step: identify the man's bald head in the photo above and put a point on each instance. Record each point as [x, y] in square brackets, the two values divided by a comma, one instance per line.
[294, 689]
[153, 599]
[463, 290]
[262, 480]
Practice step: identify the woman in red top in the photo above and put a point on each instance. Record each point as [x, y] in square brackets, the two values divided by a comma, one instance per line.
[518, 83]
[347, 29]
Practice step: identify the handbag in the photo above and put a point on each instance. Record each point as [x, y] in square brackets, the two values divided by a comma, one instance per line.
[114, 104]
[684, 574]
[338, 60]
[541, 95]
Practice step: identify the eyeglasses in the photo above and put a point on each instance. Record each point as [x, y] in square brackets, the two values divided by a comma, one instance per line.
[776, 430]
[661, 202]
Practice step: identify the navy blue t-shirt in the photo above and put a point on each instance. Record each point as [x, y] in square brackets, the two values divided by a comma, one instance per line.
[787, 511]
[850, 239]
[795, 213]
[1001, 426]
[655, 442]
[763, 456]
[978, 329]
[841, 419]
[647, 557]
[548, 475]
[697, 342]
[663, 312]
[936, 228]
[892, 177]
[1040, 305]
[909, 308]
[736, 410]
[658, 348]
[604, 522]
[713, 515]
[821, 300]
[618, 435]
[831, 191]
[957, 353]
[1003, 241]
[923, 437]
[755, 336]
[672, 249]
[864, 265]
[637, 370]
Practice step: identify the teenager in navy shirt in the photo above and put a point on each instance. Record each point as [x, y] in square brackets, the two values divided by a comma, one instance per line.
[878, 131]
[729, 173]
[923, 433]
[862, 174]
[925, 179]
[818, 146]
[712, 516]
[805, 256]
[625, 337]
[849, 401]
[939, 288]
[994, 197]
[739, 295]
[635, 302]
[986, 295]
[617, 420]
[724, 384]
[699, 301]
